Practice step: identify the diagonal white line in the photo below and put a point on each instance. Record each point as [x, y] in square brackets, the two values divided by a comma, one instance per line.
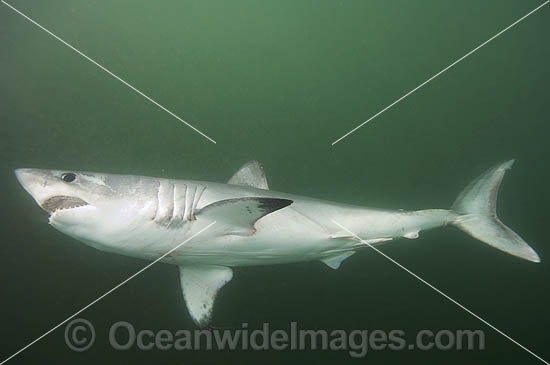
[104, 295]
[109, 72]
[440, 72]
[440, 292]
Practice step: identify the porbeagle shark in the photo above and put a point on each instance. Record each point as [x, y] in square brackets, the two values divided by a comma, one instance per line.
[145, 217]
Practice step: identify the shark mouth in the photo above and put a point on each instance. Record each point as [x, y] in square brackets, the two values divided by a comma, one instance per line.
[61, 202]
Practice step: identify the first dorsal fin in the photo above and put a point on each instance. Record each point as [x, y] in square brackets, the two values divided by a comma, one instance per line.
[250, 174]
[200, 285]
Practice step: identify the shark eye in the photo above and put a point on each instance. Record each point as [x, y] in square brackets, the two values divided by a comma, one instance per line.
[68, 177]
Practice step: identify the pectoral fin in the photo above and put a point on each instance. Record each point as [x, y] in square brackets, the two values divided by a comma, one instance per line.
[237, 216]
[200, 284]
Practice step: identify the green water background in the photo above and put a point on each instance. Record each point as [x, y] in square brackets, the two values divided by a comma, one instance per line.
[278, 81]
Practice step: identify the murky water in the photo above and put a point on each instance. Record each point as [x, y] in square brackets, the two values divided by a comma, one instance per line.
[279, 82]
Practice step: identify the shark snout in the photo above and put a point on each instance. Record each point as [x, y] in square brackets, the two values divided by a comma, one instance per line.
[35, 182]
[48, 188]
[28, 178]
[21, 173]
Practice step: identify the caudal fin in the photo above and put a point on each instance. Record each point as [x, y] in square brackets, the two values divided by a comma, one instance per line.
[476, 208]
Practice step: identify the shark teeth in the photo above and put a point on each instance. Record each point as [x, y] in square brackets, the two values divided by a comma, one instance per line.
[61, 202]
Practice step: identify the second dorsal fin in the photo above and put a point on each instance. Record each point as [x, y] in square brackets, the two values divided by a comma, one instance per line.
[250, 174]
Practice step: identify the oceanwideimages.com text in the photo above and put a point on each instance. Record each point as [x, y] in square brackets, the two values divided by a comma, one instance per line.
[122, 336]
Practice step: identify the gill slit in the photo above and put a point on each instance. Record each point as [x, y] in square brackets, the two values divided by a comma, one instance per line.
[174, 204]
[197, 199]
[184, 213]
[157, 202]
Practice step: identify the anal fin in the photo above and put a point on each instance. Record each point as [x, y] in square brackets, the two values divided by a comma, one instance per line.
[412, 235]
